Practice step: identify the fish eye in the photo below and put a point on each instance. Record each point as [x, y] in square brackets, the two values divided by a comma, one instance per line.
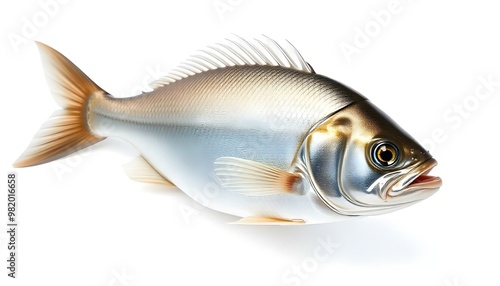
[384, 154]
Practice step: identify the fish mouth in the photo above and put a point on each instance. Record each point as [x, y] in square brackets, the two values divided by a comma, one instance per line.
[417, 179]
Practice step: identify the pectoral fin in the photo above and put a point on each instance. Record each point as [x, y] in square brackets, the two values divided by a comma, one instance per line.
[139, 169]
[254, 179]
[269, 221]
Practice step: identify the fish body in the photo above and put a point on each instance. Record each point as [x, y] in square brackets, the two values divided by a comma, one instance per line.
[256, 129]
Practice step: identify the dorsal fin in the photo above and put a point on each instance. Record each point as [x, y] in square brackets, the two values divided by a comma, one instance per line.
[237, 52]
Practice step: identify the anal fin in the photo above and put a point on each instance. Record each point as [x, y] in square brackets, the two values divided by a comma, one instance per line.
[139, 169]
[256, 220]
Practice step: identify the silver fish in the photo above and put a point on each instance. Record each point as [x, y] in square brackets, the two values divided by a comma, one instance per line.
[253, 124]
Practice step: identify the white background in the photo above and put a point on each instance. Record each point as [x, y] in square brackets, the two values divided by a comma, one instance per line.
[83, 222]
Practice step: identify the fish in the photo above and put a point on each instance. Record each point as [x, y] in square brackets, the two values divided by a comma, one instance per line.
[254, 125]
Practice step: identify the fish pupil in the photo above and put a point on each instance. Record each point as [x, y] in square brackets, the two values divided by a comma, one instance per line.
[386, 155]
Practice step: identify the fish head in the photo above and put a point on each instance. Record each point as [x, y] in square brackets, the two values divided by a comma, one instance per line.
[360, 162]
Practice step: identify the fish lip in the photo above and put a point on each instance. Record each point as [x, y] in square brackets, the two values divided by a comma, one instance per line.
[416, 179]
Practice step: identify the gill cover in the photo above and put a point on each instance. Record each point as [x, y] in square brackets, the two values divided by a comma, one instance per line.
[323, 155]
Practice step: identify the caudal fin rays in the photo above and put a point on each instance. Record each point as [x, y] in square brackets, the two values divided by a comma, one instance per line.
[66, 131]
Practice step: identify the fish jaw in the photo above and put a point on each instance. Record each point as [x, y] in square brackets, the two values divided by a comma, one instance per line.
[416, 180]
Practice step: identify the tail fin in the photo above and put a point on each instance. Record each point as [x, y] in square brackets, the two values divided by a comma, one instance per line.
[66, 131]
